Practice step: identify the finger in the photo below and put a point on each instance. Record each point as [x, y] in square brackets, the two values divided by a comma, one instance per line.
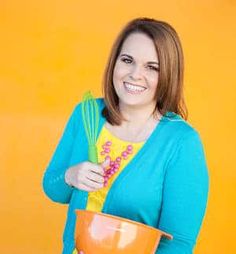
[97, 169]
[106, 162]
[93, 184]
[92, 167]
[95, 177]
[85, 187]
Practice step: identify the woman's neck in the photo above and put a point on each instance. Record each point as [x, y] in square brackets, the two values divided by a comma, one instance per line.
[137, 116]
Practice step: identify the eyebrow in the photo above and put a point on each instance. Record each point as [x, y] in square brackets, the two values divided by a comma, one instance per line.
[150, 62]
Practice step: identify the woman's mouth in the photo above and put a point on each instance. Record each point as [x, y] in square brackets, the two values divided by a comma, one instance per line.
[134, 89]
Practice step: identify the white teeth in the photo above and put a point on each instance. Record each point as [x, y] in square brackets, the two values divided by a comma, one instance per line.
[133, 87]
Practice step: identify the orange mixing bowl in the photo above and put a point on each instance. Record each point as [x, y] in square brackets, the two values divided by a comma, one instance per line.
[105, 234]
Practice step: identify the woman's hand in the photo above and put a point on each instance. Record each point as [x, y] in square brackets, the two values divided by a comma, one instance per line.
[87, 176]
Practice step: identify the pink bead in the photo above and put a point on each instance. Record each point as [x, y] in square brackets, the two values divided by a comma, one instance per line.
[112, 171]
[124, 154]
[125, 158]
[116, 165]
[104, 146]
[108, 157]
[108, 143]
[112, 163]
[105, 178]
[129, 151]
[102, 153]
[118, 159]
[107, 150]
[116, 169]
[129, 147]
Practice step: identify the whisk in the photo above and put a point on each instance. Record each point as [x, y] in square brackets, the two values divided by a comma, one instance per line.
[90, 117]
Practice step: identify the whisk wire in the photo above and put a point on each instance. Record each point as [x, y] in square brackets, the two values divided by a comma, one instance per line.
[90, 116]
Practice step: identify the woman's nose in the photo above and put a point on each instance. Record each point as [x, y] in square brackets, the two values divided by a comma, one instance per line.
[136, 72]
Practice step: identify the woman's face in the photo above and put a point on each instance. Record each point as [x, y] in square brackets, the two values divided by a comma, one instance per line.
[135, 75]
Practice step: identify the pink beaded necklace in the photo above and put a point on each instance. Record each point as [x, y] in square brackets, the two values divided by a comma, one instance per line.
[114, 164]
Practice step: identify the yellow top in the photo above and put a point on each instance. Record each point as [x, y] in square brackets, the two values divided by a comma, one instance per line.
[96, 199]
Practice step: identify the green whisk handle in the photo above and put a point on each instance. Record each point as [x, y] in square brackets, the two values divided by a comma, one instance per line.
[92, 154]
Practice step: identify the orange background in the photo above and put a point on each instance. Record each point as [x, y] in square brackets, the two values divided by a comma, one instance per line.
[52, 52]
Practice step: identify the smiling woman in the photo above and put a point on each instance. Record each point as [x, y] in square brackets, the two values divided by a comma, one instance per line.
[133, 73]
[147, 53]
[151, 163]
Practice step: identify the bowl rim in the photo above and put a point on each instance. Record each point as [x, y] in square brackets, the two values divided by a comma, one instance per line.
[123, 219]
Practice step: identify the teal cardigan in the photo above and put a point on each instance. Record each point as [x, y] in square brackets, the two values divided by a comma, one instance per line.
[165, 185]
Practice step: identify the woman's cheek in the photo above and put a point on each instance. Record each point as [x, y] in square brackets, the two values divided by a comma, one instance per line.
[153, 80]
[120, 72]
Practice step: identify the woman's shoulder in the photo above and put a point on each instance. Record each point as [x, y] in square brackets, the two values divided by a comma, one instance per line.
[179, 127]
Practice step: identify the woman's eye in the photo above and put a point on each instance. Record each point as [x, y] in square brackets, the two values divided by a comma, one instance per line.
[126, 60]
[153, 68]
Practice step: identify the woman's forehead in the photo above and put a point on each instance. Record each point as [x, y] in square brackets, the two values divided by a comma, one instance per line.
[139, 45]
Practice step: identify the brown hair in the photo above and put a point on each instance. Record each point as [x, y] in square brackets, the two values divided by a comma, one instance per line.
[169, 92]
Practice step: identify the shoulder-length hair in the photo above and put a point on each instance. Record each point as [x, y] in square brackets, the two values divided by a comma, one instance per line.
[169, 93]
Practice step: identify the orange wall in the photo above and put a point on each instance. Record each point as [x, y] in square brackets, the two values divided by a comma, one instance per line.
[53, 51]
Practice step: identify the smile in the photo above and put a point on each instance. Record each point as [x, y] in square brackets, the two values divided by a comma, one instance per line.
[134, 89]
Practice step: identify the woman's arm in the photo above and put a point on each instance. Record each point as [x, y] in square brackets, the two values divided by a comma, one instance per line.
[185, 194]
[54, 184]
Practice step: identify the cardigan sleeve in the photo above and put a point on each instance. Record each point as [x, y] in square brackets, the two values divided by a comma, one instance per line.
[54, 184]
[185, 194]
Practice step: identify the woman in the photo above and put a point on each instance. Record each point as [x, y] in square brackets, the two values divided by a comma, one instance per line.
[159, 175]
